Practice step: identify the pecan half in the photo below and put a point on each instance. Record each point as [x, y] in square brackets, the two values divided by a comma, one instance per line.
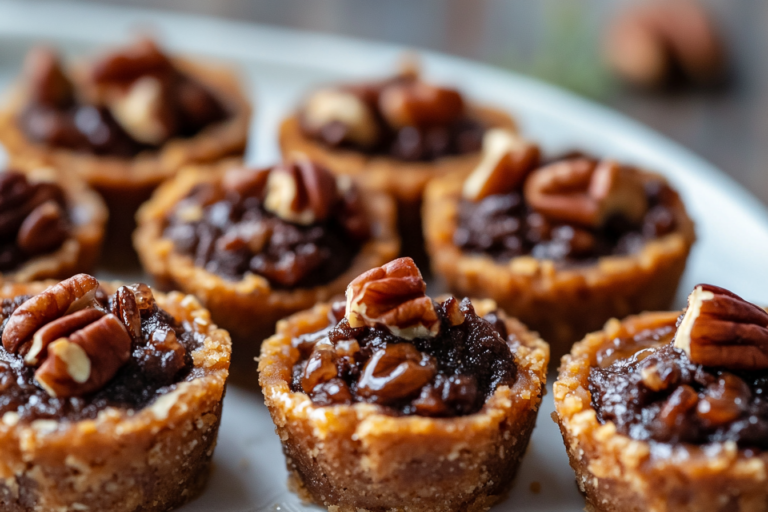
[86, 360]
[68, 296]
[302, 192]
[60, 328]
[586, 192]
[721, 329]
[344, 110]
[144, 111]
[394, 296]
[507, 159]
[126, 309]
[44, 229]
[127, 64]
[416, 103]
[245, 182]
[46, 82]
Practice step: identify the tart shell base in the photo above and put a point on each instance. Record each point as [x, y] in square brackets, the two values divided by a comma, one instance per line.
[355, 458]
[620, 474]
[153, 459]
[560, 304]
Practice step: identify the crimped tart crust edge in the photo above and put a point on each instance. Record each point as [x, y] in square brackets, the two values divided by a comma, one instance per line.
[352, 458]
[620, 474]
[155, 459]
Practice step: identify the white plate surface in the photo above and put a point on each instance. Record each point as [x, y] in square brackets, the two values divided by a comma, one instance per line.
[279, 65]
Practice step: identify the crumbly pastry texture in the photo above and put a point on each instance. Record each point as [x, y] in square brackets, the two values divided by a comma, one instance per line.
[233, 303]
[403, 180]
[153, 459]
[562, 304]
[353, 458]
[79, 252]
[620, 474]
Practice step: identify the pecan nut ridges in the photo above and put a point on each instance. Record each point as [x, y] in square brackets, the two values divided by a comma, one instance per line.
[417, 103]
[394, 296]
[87, 360]
[65, 297]
[582, 191]
[719, 328]
[507, 159]
[302, 192]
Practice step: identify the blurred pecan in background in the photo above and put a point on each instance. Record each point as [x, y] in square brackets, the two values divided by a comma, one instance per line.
[651, 44]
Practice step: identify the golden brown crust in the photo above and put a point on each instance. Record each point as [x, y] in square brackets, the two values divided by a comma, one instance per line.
[620, 474]
[126, 183]
[79, 252]
[352, 458]
[234, 303]
[154, 459]
[561, 304]
[404, 180]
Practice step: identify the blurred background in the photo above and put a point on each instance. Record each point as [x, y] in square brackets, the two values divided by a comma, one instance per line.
[697, 72]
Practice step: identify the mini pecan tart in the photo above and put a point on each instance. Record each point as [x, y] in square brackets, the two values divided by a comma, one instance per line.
[392, 135]
[274, 240]
[562, 246]
[393, 401]
[111, 396]
[125, 121]
[51, 225]
[662, 412]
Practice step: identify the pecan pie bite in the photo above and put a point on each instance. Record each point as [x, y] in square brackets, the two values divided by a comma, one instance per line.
[256, 245]
[51, 225]
[563, 246]
[111, 396]
[665, 412]
[125, 121]
[393, 401]
[393, 135]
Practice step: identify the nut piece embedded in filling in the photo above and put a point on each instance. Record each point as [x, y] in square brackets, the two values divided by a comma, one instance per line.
[34, 219]
[131, 100]
[391, 345]
[294, 224]
[71, 350]
[706, 385]
[572, 210]
[403, 117]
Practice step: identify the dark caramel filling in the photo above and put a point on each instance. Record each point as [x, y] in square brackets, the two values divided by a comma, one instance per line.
[652, 391]
[33, 219]
[235, 235]
[151, 369]
[451, 374]
[57, 116]
[504, 226]
[409, 143]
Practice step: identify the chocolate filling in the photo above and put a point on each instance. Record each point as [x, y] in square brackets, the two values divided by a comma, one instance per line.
[33, 219]
[681, 401]
[451, 374]
[148, 373]
[66, 120]
[235, 235]
[504, 226]
[410, 143]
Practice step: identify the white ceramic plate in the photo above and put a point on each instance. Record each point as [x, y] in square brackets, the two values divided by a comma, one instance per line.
[279, 65]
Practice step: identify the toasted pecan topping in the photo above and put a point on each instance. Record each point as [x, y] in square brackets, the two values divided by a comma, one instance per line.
[343, 108]
[417, 103]
[506, 161]
[394, 296]
[582, 191]
[719, 328]
[302, 192]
